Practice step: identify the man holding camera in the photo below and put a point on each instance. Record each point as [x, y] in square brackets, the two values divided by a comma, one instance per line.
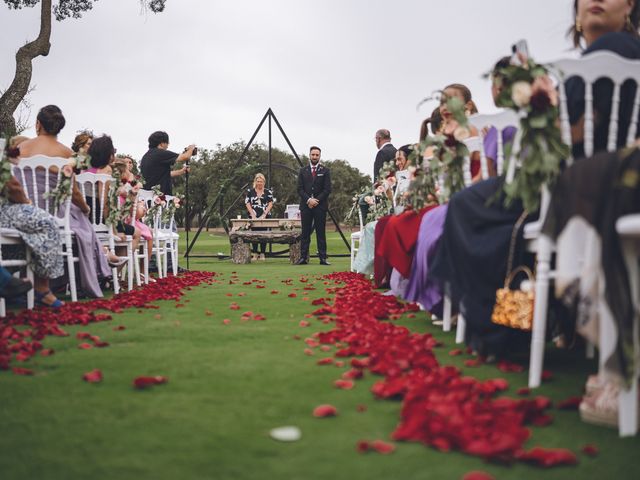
[156, 164]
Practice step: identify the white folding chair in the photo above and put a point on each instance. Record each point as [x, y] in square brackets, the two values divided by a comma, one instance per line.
[355, 239]
[93, 187]
[159, 241]
[49, 169]
[590, 68]
[9, 236]
[169, 235]
[500, 121]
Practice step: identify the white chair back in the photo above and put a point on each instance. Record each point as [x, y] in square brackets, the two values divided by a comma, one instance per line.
[39, 176]
[474, 144]
[93, 187]
[590, 68]
[500, 121]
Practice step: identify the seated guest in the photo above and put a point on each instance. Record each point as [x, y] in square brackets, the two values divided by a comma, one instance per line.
[402, 176]
[93, 266]
[395, 241]
[131, 226]
[259, 202]
[11, 286]
[82, 142]
[472, 255]
[39, 231]
[421, 287]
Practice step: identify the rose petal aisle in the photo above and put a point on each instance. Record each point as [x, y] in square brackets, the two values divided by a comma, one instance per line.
[441, 407]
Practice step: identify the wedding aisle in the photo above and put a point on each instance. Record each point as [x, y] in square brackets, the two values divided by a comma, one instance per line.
[191, 387]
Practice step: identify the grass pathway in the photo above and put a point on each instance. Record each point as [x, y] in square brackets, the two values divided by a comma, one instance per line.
[229, 384]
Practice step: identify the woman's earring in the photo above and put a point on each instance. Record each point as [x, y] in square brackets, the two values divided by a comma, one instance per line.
[578, 26]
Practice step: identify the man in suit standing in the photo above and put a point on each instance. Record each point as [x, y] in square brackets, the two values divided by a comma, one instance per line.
[386, 151]
[314, 187]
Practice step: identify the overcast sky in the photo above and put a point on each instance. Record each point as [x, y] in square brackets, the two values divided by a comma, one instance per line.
[333, 71]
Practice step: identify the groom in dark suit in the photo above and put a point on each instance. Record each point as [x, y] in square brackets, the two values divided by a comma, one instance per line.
[314, 187]
[386, 151]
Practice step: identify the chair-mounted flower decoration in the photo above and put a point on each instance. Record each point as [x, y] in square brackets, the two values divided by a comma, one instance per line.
[117, 188]
[528, 90]
[440, 175]
[63, 190]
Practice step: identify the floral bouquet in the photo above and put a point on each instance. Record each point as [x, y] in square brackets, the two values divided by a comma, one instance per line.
[63, 189]
[5, 167]
[81, 162]
[527, 89]
[120, 187]
[440, 176]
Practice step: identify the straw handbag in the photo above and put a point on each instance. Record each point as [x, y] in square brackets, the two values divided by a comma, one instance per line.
[514, 308]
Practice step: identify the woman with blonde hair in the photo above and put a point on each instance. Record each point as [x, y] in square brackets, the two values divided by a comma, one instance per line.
[259, 202]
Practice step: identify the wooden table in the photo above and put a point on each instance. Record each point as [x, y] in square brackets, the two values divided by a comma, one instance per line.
[275, 223]
[286, 231]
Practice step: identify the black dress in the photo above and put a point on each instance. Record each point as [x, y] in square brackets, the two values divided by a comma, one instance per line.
[259, 204]
[471, 259]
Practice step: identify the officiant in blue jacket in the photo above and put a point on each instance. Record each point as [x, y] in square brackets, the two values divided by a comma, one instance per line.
[314, 188]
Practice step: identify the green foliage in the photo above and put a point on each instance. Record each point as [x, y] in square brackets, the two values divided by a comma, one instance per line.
[215, 170]
[75, 8]
[526, 89]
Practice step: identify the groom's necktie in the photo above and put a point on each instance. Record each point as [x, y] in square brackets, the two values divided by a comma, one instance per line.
[313, 172]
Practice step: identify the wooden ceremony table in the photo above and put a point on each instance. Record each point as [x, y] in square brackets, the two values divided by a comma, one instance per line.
[283, 230]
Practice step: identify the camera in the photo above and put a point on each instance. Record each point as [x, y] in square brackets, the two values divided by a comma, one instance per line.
[194, 153]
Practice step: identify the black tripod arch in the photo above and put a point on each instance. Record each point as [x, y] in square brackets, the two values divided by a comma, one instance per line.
[269, 118]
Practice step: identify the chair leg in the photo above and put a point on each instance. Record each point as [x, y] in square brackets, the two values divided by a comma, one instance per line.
[116, 282]
[446, 314]
[3, 308]
[628, 398]
[460, 329]
[174, 264]
[72, 271]
[130, 265]
[31, 278]
[540, 311]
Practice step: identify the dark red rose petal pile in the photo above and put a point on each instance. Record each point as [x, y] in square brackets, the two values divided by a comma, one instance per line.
[441, 407]
[19, 344]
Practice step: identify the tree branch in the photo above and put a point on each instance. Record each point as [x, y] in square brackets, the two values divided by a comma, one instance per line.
[12, 97]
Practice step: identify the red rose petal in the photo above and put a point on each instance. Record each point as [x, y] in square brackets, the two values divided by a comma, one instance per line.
[455, 352]
[85, 346]
[274, 292]
[325, 361]
[362, 446]
[547, 375]
[477, 475]
[344, 384]
[339, 364]
[524, 391]
[226, 321]
[308, 351]
[119, 328]
[83, 335]
[590, 450]
[47, 352]
[304, 323]
[292, 295]
[146, 382]
[94, 376]
[325, 410]
[571, 403]
[22, 371]
[383, 447]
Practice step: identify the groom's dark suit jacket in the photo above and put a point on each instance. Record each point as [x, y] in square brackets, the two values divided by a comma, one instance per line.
[319, 187]
[386, 153]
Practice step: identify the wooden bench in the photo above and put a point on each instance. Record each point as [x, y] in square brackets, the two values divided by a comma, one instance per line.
[286, 231]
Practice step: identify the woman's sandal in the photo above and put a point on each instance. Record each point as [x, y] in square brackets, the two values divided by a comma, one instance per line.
[39, 300]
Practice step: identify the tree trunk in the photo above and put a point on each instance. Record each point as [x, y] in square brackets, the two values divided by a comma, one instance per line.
[16, 92]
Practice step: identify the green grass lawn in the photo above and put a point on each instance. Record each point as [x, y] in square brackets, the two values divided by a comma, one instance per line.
[230, 384]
